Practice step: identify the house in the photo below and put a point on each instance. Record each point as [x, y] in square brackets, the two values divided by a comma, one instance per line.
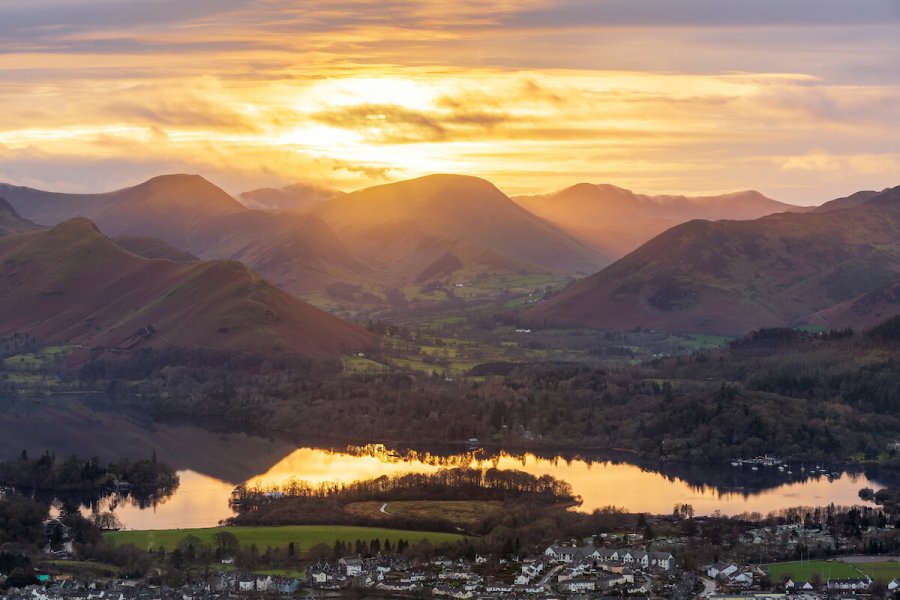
[744, 579]
[849, 584]
[319, 576]
[452, 592]
[351, 567]
[568, 554]
[798, 586]
[247, 584]
[606, 555]
[662, 560]
[532, 568]
[636, 557]
[894, 584]
[578, 586]
[263, 584]
[722, 569]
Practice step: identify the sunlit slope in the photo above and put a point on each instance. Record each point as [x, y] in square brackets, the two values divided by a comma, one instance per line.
[734, 276]
[72, 284]
[614, 221]
[407, 229]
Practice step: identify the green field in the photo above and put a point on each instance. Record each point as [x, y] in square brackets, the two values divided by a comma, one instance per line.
[880, 571]
[303, 536]
[804, 571]
[830, 569]
[458, 512]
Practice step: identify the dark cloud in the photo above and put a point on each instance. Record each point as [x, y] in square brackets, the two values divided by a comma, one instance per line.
[715, 13]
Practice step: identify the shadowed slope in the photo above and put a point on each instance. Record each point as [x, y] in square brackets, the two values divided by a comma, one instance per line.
[71, 284]
[11, 222]
[734, 276]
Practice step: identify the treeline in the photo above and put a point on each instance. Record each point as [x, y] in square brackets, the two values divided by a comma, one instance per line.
[446, 484]
[298, 502]
[47, 473]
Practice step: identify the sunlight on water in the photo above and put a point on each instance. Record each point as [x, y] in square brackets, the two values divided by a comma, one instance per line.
[203, 501]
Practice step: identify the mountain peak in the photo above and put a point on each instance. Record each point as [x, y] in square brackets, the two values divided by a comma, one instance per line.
[77, 226]
[180, 188]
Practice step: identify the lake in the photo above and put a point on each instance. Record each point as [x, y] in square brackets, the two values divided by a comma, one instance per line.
[212, 463]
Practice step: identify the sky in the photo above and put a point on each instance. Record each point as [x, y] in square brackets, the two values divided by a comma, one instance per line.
[799, 99]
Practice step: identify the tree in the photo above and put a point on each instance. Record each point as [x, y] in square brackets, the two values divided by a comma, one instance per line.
[319, 552]
[227, 543]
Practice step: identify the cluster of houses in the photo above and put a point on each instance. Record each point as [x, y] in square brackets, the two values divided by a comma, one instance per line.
[559, 570]
[219, 586]
[626, 557]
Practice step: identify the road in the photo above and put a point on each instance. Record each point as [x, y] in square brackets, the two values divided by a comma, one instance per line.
[550, 575]
[709, 587]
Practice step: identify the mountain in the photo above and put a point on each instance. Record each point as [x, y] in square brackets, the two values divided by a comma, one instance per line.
[71, 284]
[297, 251]
[300, 196]
[614, 221]
[864, 311]
[850, 201]
[436, 225]
[11, 222]
[734, 276]
[150, 247]
[170, 207]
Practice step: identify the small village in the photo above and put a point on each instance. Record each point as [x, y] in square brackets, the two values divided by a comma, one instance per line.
[564, 571]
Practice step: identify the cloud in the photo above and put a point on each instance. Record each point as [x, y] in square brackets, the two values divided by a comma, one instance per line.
[534, 94]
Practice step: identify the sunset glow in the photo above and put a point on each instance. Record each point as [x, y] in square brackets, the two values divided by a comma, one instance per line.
[531, 95]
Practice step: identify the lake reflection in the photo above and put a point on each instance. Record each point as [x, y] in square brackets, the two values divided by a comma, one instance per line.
[203, 501]
[211, 463]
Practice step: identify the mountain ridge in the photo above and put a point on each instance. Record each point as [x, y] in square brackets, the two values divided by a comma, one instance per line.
[72, 284]
[734, 276]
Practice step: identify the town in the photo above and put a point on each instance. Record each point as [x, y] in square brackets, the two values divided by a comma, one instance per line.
[626, 563]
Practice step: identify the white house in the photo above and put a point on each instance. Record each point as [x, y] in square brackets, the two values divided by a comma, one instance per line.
[576, 586]
[263, 585]
[741, 580]
[662, 560]
[721, 569]
[850, 584]
[351, 566]
[894, 584]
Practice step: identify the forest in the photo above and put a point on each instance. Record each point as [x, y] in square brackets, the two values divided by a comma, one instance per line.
[804, 396]
[48, 474]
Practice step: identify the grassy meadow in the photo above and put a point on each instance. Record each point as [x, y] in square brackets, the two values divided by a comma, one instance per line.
[303, 536]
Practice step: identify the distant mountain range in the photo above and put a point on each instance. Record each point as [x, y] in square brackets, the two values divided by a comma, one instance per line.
[756, 262]
[834, 266]
[72, 284]
[300, 196]
[614, 221]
